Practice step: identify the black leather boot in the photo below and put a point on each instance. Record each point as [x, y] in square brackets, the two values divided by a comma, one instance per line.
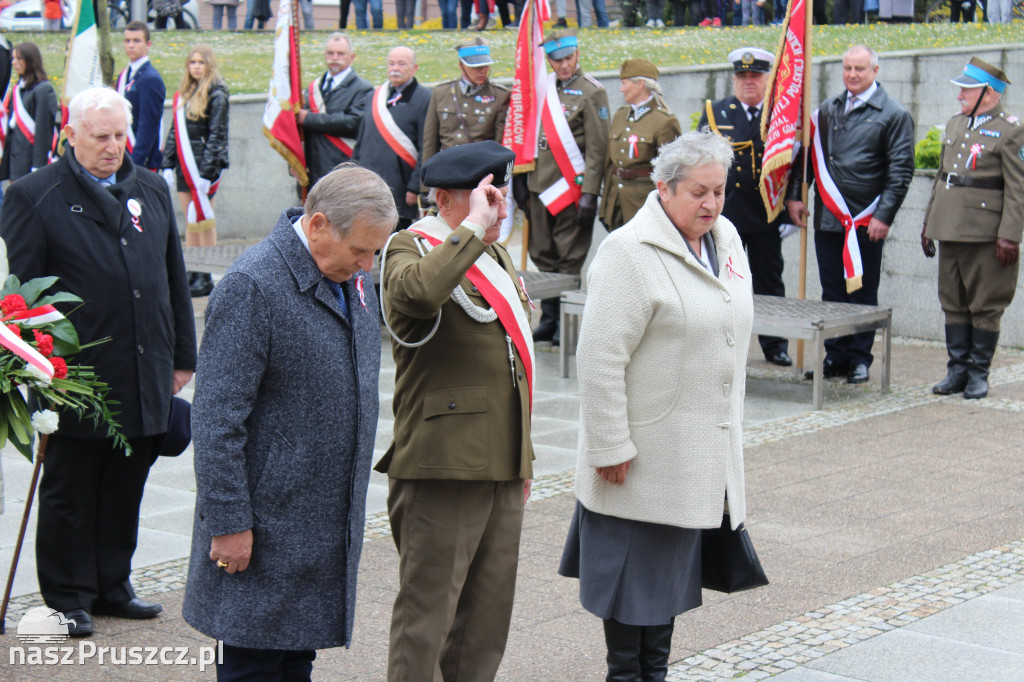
[958, 346]
[548, 327]
[623, 642]
[983, 347]
[202, 285]
[656, 642]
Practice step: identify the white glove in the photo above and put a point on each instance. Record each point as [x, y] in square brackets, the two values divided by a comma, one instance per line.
[787, 229]
[168, 174]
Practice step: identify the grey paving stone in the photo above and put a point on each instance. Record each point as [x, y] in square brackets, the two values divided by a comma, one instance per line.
[809, 675]
[992, 621]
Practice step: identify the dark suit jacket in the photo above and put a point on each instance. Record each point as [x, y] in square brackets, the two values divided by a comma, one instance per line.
[59, 221]
[743, 203]
[344, 105]
[284, 422]
[21, 156]
[374, 153]
[146, 93]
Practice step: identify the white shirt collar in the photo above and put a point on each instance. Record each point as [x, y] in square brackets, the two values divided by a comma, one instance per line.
[337, 79]
[297, 224]
[863, 97]
[137, 64]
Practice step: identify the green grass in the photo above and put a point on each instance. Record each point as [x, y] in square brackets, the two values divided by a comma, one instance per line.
[245, 58]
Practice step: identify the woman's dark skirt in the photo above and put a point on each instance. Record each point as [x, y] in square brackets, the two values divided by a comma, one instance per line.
[635, 572]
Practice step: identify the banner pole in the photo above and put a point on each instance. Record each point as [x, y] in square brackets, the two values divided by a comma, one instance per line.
[805, 140]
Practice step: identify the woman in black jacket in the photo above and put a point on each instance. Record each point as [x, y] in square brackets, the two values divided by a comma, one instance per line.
[34, 102]
[201, 117]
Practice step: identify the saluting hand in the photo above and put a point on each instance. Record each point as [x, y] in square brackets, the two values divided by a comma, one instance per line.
[487, 208]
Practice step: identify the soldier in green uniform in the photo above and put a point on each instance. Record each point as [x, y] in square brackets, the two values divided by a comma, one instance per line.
[470, 108]
[563, 198]
[976, 213]
[638, 130]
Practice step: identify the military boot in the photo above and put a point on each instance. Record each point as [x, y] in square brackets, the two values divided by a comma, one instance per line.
[958, 346]
[983, 347]
[548, 327]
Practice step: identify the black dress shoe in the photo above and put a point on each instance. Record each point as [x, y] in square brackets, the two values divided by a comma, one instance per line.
[831, 370]
[134, 608]
[79, 623]
[858, 374]
[781, 359]
[202, 285]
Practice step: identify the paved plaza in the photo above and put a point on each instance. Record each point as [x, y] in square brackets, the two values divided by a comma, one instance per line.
[890, 527]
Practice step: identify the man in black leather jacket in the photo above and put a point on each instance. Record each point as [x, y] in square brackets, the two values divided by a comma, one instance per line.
[867, 148]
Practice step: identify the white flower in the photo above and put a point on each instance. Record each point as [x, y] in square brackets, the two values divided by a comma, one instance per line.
[38, 374]
[45, 421]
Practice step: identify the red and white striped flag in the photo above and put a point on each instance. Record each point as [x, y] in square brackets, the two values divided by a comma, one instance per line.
[522, 125]
[284, 96]
[783, 111]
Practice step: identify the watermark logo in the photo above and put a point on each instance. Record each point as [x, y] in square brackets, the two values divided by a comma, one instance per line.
[43, 625]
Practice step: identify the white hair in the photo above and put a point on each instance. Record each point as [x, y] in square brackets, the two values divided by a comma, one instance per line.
[872, 55]
[96, 99]
[689, 151]
[338, 35]
[651, 84]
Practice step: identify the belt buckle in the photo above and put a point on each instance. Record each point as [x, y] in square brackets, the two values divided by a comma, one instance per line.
[949, 178]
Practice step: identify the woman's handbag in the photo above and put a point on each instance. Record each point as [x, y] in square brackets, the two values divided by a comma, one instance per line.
[728, 561]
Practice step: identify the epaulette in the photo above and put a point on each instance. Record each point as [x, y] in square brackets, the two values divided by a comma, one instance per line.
[1011, 118]
[499, 86]
[593, 80]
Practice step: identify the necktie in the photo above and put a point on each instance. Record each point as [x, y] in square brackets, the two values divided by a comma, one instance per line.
[327, 85]
[752, 112]
[339, 293]
[128, 78]
[851, 102]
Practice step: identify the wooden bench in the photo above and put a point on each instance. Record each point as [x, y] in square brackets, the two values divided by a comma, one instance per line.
[790, 318]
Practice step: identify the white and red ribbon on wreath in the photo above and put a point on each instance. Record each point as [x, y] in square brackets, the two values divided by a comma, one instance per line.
[14, 343]
[632, 139]
[853, 267]
[200, 208]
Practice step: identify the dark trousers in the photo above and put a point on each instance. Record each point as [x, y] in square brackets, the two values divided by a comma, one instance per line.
[958, 13]
[848, 12]
[88, 523]
[405, 9]
[557, 243]
[764, 252]
[819, 10]
[343, 7]
[265, 665]
[855, 348]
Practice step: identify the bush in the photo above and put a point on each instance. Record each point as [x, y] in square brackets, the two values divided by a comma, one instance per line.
[928, 150]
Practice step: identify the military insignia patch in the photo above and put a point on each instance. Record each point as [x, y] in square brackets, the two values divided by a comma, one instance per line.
[603, 113]
[990, 133]
[572, 92]
[484, 99]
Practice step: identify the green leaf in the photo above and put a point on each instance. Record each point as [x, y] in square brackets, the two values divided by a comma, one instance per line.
[65, 338]
[59, 297]
[11, 285]
[3, 425]
[24, 448]
[34, 288]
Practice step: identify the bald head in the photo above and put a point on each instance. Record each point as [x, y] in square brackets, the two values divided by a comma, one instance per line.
[401, 65]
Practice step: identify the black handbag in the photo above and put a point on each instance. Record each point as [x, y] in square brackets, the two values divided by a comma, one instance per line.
[728, 561]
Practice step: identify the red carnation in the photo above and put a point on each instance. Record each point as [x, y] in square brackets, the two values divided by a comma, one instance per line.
[60, 368]
[44, 342]
[14, 329]
[12, 303]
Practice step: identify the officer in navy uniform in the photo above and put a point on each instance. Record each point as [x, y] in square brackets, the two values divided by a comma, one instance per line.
[976, 212]
[738, 118]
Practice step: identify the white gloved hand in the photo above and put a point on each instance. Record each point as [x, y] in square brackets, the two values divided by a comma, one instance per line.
[169, 178]
[787, 230]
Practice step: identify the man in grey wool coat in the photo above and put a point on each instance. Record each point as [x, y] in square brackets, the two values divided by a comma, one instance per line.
[283, 423]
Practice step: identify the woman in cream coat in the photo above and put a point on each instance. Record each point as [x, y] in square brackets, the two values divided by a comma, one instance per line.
[662, 356]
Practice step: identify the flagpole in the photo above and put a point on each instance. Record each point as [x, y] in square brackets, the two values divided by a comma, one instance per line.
[805, 141]
[298, 77]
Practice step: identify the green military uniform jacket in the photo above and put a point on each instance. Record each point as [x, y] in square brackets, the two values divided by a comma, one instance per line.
[585, 104]
[965, 213]
[458, 414]
[652, 125]
[455, 118]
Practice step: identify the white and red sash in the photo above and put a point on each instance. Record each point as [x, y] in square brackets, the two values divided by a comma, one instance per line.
[27, 125]
[316, 105]
[568, 156]
[498, 287]
[853, 267]
[5, 121]
[398, 141]
[199, 209]
[122, 87]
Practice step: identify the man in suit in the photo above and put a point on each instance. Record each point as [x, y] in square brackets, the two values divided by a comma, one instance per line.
[563, 198]
[106, 228]
[738, 118]
[141, 84]
[976, 211]
[336, 102]
[867, 151]
[284, 422]
[391, 132]
[461, 460]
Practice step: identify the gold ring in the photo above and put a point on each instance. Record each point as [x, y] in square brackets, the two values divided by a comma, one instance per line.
[221, 564]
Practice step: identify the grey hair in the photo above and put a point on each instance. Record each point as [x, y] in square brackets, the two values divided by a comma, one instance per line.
[872, 55]
[689, 151]
[96, 99]
[349, 193]
[650, 83]
[407, 48]
[338, 35]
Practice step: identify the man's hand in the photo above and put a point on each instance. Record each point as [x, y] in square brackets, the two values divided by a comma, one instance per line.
[527, 489]
[877, 230]
[235, 550]
[797, 212]
[587, 211]
[927, 245]
[615, 474]
[181, 377]
[1007, 252]
[487, 208]
[300, 116]
[410, 198]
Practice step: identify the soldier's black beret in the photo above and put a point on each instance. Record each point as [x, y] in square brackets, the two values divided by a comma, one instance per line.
[464, 166]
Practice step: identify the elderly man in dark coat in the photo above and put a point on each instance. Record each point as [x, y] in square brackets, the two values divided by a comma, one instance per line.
[107, 230]
[284, 422]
